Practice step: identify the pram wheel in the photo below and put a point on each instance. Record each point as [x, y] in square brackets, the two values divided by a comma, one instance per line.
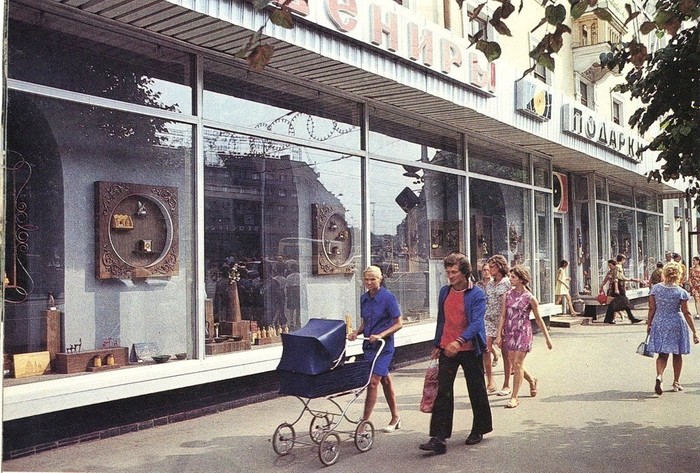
[320, 424]
[283, 439]
[364, 436]
[329, 448]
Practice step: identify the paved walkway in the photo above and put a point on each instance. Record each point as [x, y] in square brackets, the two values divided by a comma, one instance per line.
[595, 412]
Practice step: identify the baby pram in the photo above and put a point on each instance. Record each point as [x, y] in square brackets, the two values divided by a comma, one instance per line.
[314, 366]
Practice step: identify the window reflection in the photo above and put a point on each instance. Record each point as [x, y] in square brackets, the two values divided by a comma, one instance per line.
[500, 223]
[73, 57]
[289, 218]
[232, 96]
[415, 221]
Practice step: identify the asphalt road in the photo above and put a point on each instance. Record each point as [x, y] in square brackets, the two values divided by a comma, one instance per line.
[595, 412]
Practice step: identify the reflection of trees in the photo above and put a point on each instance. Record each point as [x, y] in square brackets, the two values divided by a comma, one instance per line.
[81, 70]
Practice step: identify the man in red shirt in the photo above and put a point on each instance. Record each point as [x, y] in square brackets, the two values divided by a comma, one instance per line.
[460, 340]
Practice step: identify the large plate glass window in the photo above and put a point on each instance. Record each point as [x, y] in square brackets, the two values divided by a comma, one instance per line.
[415, 221]
[500, 223]
[500, 162]
[58, 151]
[233, 96]
[77, 57]
[413, 141]
[282, 237]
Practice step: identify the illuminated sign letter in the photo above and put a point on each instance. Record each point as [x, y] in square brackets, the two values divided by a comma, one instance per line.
[390, 28]
[342, 13]
[451, 55]
[422, 47]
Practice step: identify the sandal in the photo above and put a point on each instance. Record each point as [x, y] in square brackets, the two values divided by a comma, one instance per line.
[677, 387]
[512, 404]
[533, 387]
[503, 392]
[491, 391]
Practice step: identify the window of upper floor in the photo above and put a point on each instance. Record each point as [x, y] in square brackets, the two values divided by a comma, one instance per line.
[540, 72]
[585, 92]
[617, 111]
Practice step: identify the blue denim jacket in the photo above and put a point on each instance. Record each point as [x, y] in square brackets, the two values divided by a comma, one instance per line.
[475, 306]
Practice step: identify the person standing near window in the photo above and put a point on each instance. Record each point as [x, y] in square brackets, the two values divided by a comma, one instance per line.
[620, 301]
[460, 340]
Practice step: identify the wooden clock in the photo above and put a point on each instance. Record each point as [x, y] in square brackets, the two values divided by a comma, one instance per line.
[136, 231]
[333, 241]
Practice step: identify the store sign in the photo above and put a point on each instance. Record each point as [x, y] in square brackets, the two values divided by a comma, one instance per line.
[580, 121]
[532, 98]
[394, 29]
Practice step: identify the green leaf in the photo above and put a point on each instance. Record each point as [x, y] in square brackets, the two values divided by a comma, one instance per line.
[475, 13]
[490, 49]
[555, 14]
[282, 18]
[647, 27]
[260, 57]
[507, 9]
[631, 17]
[501, 27]
[542, 22]
[547, 61]
[578, 9]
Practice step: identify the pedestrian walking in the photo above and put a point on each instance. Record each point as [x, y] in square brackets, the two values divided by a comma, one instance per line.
[667, 329]
[381, 318]
[619, 293]
[515, 331]
[460, 340]
[495, 292]
[562, 289]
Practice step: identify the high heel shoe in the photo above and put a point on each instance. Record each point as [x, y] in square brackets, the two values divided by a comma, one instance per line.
[392, 427]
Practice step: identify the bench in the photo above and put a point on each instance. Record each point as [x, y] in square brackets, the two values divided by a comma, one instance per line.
[593, 309]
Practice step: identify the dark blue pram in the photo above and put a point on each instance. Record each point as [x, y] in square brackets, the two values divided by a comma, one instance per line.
[313, 365]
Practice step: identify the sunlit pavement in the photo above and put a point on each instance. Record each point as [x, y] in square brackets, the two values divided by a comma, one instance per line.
[595, 411]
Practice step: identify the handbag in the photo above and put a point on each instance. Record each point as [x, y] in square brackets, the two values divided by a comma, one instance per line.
[602, 298]
[642, 348]
[430, 386]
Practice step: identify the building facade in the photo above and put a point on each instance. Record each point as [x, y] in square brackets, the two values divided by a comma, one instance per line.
[157, 188]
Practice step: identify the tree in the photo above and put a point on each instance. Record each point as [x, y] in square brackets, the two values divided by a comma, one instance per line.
[653, 79]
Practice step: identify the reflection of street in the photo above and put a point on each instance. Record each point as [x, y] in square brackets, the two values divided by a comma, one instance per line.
[410, 290]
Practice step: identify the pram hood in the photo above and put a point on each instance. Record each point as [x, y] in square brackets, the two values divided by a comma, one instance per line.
[315, 348]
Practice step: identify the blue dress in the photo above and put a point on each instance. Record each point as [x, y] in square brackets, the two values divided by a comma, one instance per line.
[669, 330]
[378, 314]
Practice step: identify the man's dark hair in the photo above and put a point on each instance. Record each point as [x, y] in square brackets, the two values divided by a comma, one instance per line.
[459, 259]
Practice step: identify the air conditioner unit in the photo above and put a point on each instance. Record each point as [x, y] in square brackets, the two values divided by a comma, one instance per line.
[560, 194]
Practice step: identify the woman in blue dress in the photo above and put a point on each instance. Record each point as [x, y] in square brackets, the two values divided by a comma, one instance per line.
[381, 318]
[668, 332]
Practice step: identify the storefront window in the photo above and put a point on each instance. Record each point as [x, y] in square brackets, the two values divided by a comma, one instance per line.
[542, 172]
[620, 194]
[415, 222]
[543, 246]
[414, 141]
[623, 239]
[497, 161]
[500, 223]
[580, 187]
[606, 250]
[600, 191]
[286, 219]
[135, 286]
[232, 96]
[142, 74]
[648, 243]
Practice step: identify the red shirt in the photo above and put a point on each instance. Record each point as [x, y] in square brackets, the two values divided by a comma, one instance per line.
[456, 321]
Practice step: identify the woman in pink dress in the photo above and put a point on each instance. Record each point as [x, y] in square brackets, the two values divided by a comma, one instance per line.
[515, 331]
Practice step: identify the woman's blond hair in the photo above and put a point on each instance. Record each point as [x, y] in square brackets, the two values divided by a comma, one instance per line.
[672, 272]
[375, 271]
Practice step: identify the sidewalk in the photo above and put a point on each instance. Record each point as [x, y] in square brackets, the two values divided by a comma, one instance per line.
[595, 412]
